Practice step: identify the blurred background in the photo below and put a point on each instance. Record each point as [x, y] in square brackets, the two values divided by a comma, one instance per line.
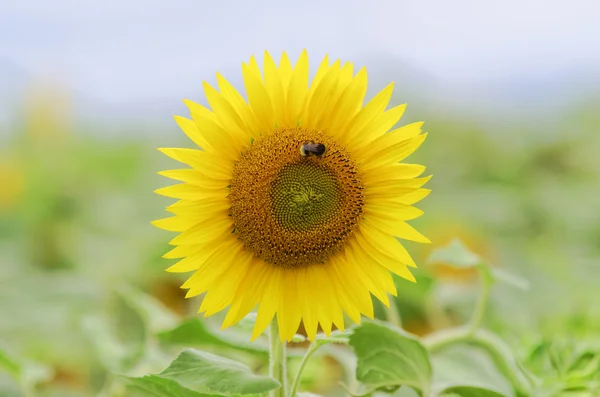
[510, 92]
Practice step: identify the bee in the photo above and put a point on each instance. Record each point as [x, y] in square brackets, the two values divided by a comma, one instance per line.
[312, 149]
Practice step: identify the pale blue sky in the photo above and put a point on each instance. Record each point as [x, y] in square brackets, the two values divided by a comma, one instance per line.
[124, 50]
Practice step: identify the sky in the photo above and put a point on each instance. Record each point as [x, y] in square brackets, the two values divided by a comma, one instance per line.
[122, 51]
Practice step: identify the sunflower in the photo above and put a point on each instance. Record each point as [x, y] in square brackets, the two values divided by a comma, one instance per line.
[294, 202]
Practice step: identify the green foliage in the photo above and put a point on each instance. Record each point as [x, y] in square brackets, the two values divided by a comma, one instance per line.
[194, 332]
[468, 391]
[195, 374]
[567, 366]
[389, 358]
[455, 254]
[467, 365]
[26, 374]
[87, 310]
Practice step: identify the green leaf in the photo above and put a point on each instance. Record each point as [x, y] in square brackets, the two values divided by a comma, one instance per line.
[496, 349]
[469, 391]
[297, 338]
[247, 323]
[115, 351]
[195, 373]
[468, 366]
[9, 364]
[335, 337]
[9, 386]
[154, 314]
[389, 358]
[26, 373]
[155, 386]
[585, 366]
[455, 254]
[194, 332]
[508, 278]
[123, 337]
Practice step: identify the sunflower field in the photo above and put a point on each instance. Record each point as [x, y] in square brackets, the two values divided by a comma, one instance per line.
[503, 301]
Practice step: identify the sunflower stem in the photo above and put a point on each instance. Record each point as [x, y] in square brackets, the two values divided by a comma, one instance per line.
[487, 341]
[480, 306]
[311, 349]
[393, 314]
[277, 360]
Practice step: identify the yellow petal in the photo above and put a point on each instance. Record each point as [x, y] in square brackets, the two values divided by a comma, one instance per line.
[197, 254]
[239, 104]
[182, 223]
[192, 262]
[207, 123]
[249, 292]
[285, 69]
[357, 261]
[391, 138]
[305, 293]
[228, 119]
[414, 197]
[194, 177]
[386, 244]
[212, 269]
[388, 262]
[204, 231]
[290, 305]
[355, 289]
[392, 172]
[275, 89]
[323, 301]
[174, 224]
[321, 71]
[322, 93]
[206, 163]
[190, 192]
[395, 211]
[346, 74]
[378, 273]
[254, 68]
[222, 292]
[194, 208]
[330, 105]
[394, 153]
[397, 228]
[298, 88]
[183, 251]
[377, 128]
[259, 99]
[401, 196]
[190, 129]
[268, 303]
[348, 104]
[367, 114]
[345, 296]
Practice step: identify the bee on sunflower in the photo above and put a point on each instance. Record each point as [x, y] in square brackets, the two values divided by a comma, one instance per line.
[295, 198]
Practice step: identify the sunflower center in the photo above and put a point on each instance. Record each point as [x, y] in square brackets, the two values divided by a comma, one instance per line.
[293, 207]
[304, 195]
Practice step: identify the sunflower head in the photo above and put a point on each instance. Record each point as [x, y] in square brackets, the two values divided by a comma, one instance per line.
[296, 197]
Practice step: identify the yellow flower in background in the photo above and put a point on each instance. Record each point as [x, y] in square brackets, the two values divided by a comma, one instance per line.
[12, 180]
[48, 115]
[295, 199]
[443, 233]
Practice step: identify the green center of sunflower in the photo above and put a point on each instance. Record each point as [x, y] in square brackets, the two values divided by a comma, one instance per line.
[304, 196]
[295, 208]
